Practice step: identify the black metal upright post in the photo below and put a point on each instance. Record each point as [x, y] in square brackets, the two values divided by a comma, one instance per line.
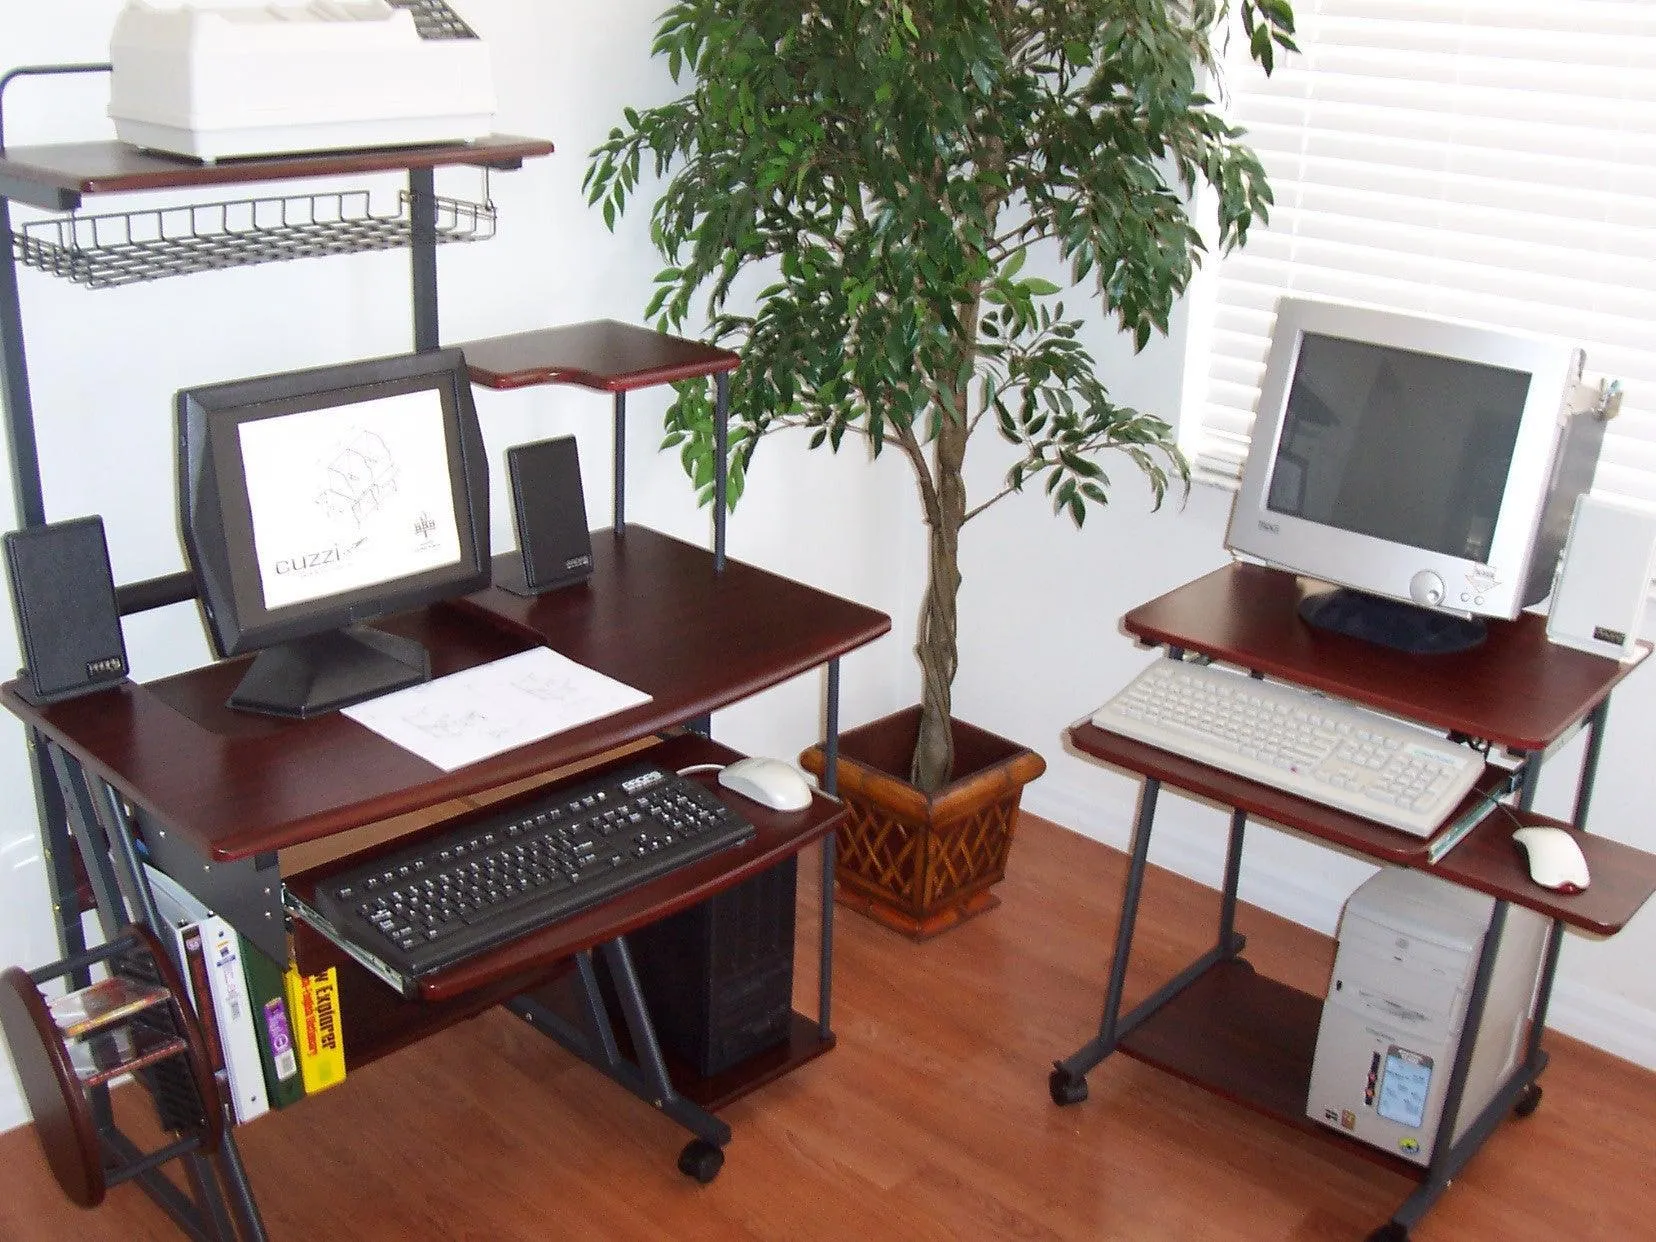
[422, 252]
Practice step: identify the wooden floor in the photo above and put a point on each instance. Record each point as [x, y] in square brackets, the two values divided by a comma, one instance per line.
[930, 1121]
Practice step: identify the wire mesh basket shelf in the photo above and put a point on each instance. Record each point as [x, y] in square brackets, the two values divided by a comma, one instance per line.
[124, 248]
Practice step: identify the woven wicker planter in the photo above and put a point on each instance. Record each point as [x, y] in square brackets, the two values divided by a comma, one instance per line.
[921, 864]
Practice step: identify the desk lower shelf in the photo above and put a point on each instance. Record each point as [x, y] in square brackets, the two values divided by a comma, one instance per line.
[378, 1022]
[1249, 1039]
[804, 1042]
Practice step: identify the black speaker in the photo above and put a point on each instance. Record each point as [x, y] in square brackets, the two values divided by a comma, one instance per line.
[718, 977]
[63, 595]
[549, 508]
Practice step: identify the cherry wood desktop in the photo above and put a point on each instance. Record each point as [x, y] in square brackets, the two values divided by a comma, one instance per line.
[1252, 1039]
[220, 792]
[235, 785]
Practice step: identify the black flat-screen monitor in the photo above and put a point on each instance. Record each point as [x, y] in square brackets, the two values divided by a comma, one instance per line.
[313, 502]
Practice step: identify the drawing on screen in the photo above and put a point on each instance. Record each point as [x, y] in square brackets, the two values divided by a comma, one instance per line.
[359, 478]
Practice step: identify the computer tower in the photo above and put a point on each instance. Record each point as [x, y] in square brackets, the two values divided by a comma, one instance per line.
[718, 977]
[1395, 1013]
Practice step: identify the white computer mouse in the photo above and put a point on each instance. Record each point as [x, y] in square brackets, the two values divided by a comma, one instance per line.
[1555, 858]
[770, 782]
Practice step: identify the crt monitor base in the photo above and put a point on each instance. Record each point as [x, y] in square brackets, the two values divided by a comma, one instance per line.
[324, 672]
[1391, 623]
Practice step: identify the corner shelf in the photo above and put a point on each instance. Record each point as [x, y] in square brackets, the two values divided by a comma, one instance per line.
[608, 356]
[602, 354]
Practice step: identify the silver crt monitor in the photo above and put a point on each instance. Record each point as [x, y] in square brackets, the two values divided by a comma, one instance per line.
[1426, 462]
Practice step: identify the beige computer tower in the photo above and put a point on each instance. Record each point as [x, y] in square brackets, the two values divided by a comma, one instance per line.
[1395, 1012]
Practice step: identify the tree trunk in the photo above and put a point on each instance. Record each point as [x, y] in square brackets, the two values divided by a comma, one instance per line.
[937, 648]
[938, 644]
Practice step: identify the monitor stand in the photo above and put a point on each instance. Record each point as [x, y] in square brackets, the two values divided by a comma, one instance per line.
[324, 672]
[1391, 623]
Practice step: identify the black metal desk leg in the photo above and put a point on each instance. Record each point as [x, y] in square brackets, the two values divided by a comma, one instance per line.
[108, 849]
[1229, 942]
[59, 845]
[21, 443]
[422, 256]
[646, 1074]
[721, 464]
[830, 786]
[1067, 1082]
[703, 1156]
[618, 464]
[94, 845]
[1448, 1156]
[1139, 860]
[1589, 763]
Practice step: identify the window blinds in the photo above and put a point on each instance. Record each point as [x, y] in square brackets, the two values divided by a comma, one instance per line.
[1491, 160]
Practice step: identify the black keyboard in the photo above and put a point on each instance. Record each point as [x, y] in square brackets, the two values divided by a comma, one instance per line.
[492, 880]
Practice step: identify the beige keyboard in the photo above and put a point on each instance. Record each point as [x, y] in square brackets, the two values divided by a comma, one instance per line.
[1299, 741]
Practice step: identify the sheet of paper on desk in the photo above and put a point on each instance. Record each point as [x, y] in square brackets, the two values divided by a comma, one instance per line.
[483, 711]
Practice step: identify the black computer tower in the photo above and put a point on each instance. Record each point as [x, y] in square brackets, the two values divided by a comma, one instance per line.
[718, 977]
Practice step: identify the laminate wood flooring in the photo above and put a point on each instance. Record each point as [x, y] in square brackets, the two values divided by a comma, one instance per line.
[929, 1122]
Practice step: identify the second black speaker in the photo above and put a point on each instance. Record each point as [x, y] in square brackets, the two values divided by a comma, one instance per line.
[549, 509]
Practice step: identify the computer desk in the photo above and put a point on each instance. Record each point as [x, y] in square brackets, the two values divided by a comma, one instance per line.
[220, 798]
[1252, 1039]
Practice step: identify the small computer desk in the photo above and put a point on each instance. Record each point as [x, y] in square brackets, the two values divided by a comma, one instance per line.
[220, 799]
[1252, 1039]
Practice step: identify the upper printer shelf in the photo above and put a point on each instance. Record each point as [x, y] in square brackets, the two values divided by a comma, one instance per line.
[203, 95]
[55, 178]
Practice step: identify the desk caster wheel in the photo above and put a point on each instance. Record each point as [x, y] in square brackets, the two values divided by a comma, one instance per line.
[701, 1160]
[1066, 1088]
[1391, 1231]
[1528, 1102]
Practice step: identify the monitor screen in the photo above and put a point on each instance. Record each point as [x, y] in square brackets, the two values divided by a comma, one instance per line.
[1425, 468]
[1367, 425]
[315, 501]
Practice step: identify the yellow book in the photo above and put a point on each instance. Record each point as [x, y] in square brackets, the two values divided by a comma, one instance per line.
[313, 1007]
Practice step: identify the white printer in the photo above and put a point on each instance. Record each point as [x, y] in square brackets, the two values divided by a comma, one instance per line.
[1393, 1019]
[216, 79]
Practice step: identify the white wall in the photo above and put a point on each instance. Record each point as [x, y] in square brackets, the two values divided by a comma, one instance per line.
[1041, 638]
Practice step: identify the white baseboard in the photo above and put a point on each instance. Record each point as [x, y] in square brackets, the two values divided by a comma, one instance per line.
[1189, 843]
